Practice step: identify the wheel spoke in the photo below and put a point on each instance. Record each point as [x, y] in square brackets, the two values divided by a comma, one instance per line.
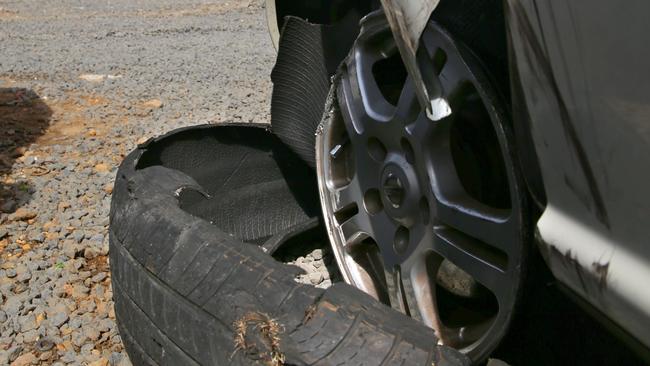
[355, 229]
[419, 290]
[466, 335]
[418, 275]
[480, 261]
[418, 272]
[375, 104]
[489, 225]
[363, 124]
[449, 68]
[345, 198]
[365, 270]
[361, 100]
[394, 289]
[452, 79]
[354, 115]
[407, 105]
[411, 288]
[402, 291]
[456, 208]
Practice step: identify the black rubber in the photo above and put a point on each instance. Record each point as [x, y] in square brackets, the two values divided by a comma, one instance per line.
[250, 191]
[308, 56]
[180, 282]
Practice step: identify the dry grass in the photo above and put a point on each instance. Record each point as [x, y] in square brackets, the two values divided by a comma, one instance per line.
[269, 329]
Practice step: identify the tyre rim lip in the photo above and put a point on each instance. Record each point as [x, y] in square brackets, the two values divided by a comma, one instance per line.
[426, 185]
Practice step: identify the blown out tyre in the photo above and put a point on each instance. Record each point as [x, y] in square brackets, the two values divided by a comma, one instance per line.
[188, 210]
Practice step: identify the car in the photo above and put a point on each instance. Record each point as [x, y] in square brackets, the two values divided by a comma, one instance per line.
[471, 164]
[536, 144]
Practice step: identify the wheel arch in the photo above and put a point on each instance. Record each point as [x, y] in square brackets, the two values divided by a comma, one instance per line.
[316, 11]
[483, 25]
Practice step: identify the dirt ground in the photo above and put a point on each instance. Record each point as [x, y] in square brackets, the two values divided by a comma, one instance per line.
[81, 83]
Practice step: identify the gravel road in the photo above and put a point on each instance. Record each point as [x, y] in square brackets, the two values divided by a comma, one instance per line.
[81, 82]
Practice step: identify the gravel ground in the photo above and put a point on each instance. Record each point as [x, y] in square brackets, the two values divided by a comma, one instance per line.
[81, 83]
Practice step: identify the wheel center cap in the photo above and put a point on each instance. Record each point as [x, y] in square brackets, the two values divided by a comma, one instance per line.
[398, 186]
[394, 189]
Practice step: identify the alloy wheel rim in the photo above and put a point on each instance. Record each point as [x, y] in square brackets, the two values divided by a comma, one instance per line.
[401, 215]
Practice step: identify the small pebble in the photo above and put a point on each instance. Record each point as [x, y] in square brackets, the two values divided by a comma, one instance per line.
[59, 319]
[315, 278]
[44, 344]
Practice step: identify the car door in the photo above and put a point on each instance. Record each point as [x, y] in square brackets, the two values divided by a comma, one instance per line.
[583, 69]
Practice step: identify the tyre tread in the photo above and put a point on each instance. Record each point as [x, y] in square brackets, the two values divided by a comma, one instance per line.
[183, 282]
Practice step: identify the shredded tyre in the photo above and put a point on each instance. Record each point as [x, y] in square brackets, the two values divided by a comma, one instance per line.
[190, 290]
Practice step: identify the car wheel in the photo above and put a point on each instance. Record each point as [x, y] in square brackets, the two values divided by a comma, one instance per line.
[428, 217]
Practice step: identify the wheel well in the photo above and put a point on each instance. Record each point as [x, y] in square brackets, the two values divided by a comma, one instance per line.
[313, 11]
[320, 11]
[481, 25]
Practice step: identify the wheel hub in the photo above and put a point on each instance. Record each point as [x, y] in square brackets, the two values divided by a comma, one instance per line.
[399, 187]
[424, 216]
[393, 189]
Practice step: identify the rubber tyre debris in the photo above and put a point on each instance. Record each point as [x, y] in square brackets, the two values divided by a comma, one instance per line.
[182, 285]
[308, 56]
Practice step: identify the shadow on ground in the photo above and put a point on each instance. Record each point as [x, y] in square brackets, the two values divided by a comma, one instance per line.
[24, 117]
